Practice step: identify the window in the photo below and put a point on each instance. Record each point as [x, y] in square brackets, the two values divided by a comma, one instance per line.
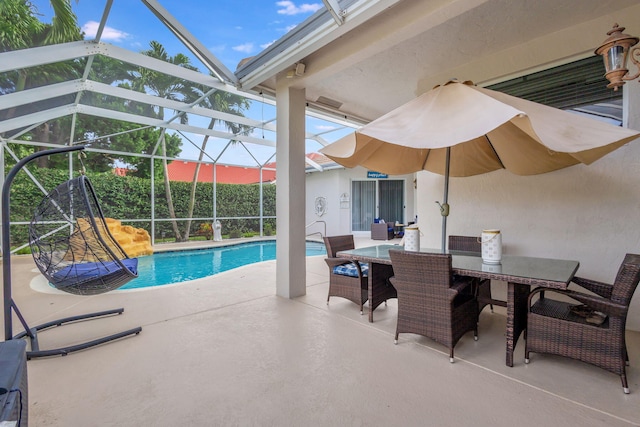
[579, 86]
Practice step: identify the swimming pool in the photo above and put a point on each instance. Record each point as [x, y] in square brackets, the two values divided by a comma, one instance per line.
[163, 268]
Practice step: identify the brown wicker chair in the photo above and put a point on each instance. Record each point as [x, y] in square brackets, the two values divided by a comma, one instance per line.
[481, 287]
[554, 328]
[352, 288]
[430, 302]
[381, 231]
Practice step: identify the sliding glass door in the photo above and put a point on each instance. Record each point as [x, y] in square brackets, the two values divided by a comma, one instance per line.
[363, 205]
[391, 200]
[376, 199]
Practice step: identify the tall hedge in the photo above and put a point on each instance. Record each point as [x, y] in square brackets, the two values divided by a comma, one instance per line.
[130, 198]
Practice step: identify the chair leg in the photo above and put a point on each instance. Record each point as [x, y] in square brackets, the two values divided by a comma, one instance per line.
[626, 355]
[450, 355]
[475, 333]
[328, 296]
[395, 341]
[625, 386]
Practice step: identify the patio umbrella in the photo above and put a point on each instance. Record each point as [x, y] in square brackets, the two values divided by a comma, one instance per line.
[459, 129]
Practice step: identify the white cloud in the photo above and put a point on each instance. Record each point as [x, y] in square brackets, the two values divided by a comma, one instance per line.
[244, 48]
[289, 8]
[108, 34]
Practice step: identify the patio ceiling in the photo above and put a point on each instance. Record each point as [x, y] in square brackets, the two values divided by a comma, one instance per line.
[387, 52]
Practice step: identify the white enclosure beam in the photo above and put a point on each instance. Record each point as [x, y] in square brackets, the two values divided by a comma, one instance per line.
[192, 43]
[132, 118]
[334, 9]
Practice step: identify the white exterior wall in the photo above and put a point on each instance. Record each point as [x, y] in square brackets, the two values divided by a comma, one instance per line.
[330, 185]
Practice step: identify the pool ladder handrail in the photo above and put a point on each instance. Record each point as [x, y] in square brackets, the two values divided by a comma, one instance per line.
[317, 232]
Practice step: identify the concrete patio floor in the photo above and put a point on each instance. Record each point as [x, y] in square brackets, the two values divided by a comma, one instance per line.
[226, 351]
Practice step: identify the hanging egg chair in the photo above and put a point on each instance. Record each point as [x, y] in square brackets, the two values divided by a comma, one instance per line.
[71, 243]
[73, 249]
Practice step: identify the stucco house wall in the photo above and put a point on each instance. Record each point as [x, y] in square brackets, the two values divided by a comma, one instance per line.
[331, 184]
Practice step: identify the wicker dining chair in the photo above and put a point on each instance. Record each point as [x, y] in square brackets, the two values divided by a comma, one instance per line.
[481, 287]
[430, 302]
[554, 327]
[347, 279]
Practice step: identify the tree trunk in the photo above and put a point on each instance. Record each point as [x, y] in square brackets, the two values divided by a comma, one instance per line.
[194, 183]
[167, 187]
[42, 134]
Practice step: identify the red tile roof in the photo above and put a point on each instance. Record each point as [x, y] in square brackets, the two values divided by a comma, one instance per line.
[180, 170]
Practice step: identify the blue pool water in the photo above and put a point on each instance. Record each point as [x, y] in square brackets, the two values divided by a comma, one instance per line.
[164, 268]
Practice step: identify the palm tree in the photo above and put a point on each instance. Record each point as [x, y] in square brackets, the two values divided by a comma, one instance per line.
[219, 101]
[20, 29]
[169, 87]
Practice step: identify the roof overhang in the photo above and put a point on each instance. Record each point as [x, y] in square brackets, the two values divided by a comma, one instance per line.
[387, 52]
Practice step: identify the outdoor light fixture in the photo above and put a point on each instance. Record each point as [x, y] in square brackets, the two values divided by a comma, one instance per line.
[615, 50]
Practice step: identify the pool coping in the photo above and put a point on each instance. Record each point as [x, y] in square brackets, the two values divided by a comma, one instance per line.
[41, 285]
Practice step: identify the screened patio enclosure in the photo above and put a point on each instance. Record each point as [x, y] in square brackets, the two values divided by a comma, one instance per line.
[136, 112]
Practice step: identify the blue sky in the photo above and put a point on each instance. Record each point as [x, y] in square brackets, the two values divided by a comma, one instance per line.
[230, 29]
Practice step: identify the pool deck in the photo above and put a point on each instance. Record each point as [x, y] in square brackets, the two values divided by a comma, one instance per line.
[226, 351]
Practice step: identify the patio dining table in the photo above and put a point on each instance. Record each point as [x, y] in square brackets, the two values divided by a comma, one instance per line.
[520, 273]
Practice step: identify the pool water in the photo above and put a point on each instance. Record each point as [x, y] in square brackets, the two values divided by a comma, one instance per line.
[164, 268]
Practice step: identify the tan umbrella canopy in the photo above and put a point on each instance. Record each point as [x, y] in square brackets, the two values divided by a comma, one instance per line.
[481, 130]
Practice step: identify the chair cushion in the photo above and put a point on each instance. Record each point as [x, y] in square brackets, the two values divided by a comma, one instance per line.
[85, 271]
[351, 270]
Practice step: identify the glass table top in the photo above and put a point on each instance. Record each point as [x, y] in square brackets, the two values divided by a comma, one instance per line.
[511, 266]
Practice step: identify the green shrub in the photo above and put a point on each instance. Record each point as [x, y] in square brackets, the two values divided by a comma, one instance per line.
[268, 230]
[128, 198]
[24, 251]
[235, 234]
[205, 230]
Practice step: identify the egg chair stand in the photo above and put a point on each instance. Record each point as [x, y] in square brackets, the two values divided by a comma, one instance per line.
[74, 250]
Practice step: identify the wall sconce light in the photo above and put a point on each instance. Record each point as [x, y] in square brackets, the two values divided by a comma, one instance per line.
[615, 50]
[298, 71]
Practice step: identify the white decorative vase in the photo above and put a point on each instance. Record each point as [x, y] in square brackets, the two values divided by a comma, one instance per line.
[491, 246]
[412, 239]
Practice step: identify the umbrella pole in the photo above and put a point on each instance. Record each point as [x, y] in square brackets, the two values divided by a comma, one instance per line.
[444, 208]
